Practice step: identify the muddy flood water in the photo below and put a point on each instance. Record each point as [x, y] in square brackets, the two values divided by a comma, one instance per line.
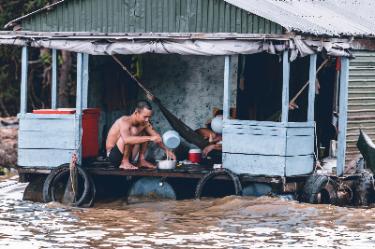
[230, 222]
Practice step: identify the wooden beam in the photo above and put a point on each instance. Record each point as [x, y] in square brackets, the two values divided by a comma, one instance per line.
[227, 88]
[54, 80]
[85, 80]
[285, 96]
[343, 108]
[24, 72]
[312, 80]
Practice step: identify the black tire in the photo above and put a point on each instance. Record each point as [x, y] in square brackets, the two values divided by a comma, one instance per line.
[86, 189]
[48, 182]
[91, 196]
[212, 174]
[320, 189]
[88, 195]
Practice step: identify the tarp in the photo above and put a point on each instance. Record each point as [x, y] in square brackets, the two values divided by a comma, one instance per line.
[296, 45]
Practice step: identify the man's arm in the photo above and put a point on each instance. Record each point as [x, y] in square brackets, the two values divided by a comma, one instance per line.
[152, 132]
[211, 147]
[129, 139]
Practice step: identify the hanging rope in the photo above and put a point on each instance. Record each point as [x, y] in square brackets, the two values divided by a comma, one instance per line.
[150, 96]
[73, 175]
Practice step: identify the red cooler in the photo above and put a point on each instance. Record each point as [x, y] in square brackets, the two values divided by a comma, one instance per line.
[195, 155]
[90, 127]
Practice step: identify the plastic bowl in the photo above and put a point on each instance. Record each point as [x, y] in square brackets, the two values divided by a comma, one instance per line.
[217, 124]
[166, 164]
[171, 139]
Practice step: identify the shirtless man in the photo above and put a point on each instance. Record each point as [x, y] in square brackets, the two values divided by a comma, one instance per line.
[129, 136]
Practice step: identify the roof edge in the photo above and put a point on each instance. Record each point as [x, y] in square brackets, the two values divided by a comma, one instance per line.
[149, 35]
[13, 22]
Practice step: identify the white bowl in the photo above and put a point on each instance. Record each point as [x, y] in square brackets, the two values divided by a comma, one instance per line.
[166, 164]
[217, 124]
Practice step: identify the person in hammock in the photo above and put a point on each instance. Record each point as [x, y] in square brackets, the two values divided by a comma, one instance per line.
[129, 136]
[214, 148]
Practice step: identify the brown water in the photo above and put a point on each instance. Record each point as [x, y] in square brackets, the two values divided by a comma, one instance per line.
[230, 222]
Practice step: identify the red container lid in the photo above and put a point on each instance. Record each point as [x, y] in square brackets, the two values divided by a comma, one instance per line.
[66, 111]
[55, 111]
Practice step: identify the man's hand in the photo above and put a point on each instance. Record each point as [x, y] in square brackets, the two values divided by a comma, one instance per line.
[208, 149]
[155, 139]
[170, 154]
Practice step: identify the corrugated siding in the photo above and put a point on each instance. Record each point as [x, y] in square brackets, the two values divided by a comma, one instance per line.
[129, 16]
[361, 106]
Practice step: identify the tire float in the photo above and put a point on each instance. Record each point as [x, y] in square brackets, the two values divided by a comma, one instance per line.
[59, 179]
[215, 173]
[320, 189]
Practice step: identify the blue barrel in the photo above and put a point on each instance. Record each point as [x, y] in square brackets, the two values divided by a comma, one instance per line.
[151, 189]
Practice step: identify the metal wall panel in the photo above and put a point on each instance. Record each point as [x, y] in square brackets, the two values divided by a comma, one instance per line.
[361, 107]
[268, 148]
[46, 140]
[143, 16]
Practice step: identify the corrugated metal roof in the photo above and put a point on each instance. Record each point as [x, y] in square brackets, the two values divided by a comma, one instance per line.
[318, 17]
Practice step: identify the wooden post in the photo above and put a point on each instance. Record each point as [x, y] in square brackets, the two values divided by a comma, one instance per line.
[85, 81]
[24, 72]
[312, 80]
[227, 88]
[285, 96]
[54, 80]
[343, 108]
[78, 123]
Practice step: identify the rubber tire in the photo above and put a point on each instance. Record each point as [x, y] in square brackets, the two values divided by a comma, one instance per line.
[91, 197]
[213, 174]
[314, 186]
[59, 171]
[87, 187]
[48, 182]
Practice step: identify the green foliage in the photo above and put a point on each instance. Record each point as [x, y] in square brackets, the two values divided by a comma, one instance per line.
[10, 55]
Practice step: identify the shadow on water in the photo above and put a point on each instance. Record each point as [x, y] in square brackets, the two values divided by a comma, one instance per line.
[229, 222]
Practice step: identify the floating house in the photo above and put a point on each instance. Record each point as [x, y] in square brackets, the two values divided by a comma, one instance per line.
[257, 60]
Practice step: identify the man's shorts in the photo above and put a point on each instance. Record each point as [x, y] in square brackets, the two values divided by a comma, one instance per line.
[115, 156]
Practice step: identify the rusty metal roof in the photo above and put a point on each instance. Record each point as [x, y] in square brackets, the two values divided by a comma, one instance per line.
[317, 17]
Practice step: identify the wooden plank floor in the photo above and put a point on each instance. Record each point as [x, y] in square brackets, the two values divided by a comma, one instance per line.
[105, 168]
[180, 172]
[191, 171]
